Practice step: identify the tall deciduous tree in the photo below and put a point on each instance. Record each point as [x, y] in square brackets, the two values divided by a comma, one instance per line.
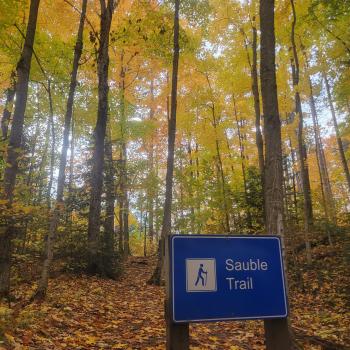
[304, 168]
[158, 275]
[177, 335]
[55, 216]
[276, 331]
[96, 181]
[14, 147]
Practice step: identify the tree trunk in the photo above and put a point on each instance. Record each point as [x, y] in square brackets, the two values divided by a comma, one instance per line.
[337, 133]
[190, 189]
[151, 176]
[304, 168]
[108, 251]
[158, 275]
[295, 201]
[53, 146]
[56, 213]
[6, 115]
[123, 191]
[277, 332]
[255, 90]
[177, 336]
[14, 147]
[96, 181]
[321, 161]
[43, 162]
[69, 201]
[221, 177]
[241, 148]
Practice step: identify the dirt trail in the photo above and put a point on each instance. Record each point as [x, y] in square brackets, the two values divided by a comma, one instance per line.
[91, 313]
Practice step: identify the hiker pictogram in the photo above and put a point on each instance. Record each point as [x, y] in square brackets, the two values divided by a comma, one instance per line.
[202, 276]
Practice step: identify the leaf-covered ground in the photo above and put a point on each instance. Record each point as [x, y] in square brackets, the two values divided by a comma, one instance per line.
[92, 313]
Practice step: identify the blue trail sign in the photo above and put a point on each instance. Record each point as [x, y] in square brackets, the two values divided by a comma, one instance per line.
[217, 278]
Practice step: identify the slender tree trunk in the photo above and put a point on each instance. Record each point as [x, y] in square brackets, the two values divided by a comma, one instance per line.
[221, 176]
[304, 169]
[108, 251]
[56, 212]
[32, 153]
[177, 335]
[53, 146]
[256, 96]
[337, 133]
[71, 177]
[190, 191]
[219, 165]
[295, 201]
[6, 114]
[321, 161]
[144, 235]
[277, 333]
[42, 174]
[158, 275]
[151, 176]
[241, 148]
[123, 191]
[96, 181]
[15, 143]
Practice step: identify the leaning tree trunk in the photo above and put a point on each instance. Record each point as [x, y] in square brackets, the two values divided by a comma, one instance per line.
[55, 215]
[14, 147]
[326, 188]
[158, 275]
[325, 183]
[337, 133]
[304, 169]
[277, 332]
[6, 114]
[96, 182]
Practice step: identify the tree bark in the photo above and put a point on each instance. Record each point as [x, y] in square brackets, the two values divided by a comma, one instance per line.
[151, 176]
[108, 251]
[304, 169]
[321, 161]
[255, 89]
[14, 147]
[337, 133]
[123, 189]
[53, 146]
[6, 115]
[221, 177]
[158, 275]
[96, 181]
[277, 332]
[177, 336]
[243, 158]
[56, 213]
[256, 97]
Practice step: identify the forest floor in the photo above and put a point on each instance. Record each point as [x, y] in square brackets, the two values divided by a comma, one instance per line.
[83, 312]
